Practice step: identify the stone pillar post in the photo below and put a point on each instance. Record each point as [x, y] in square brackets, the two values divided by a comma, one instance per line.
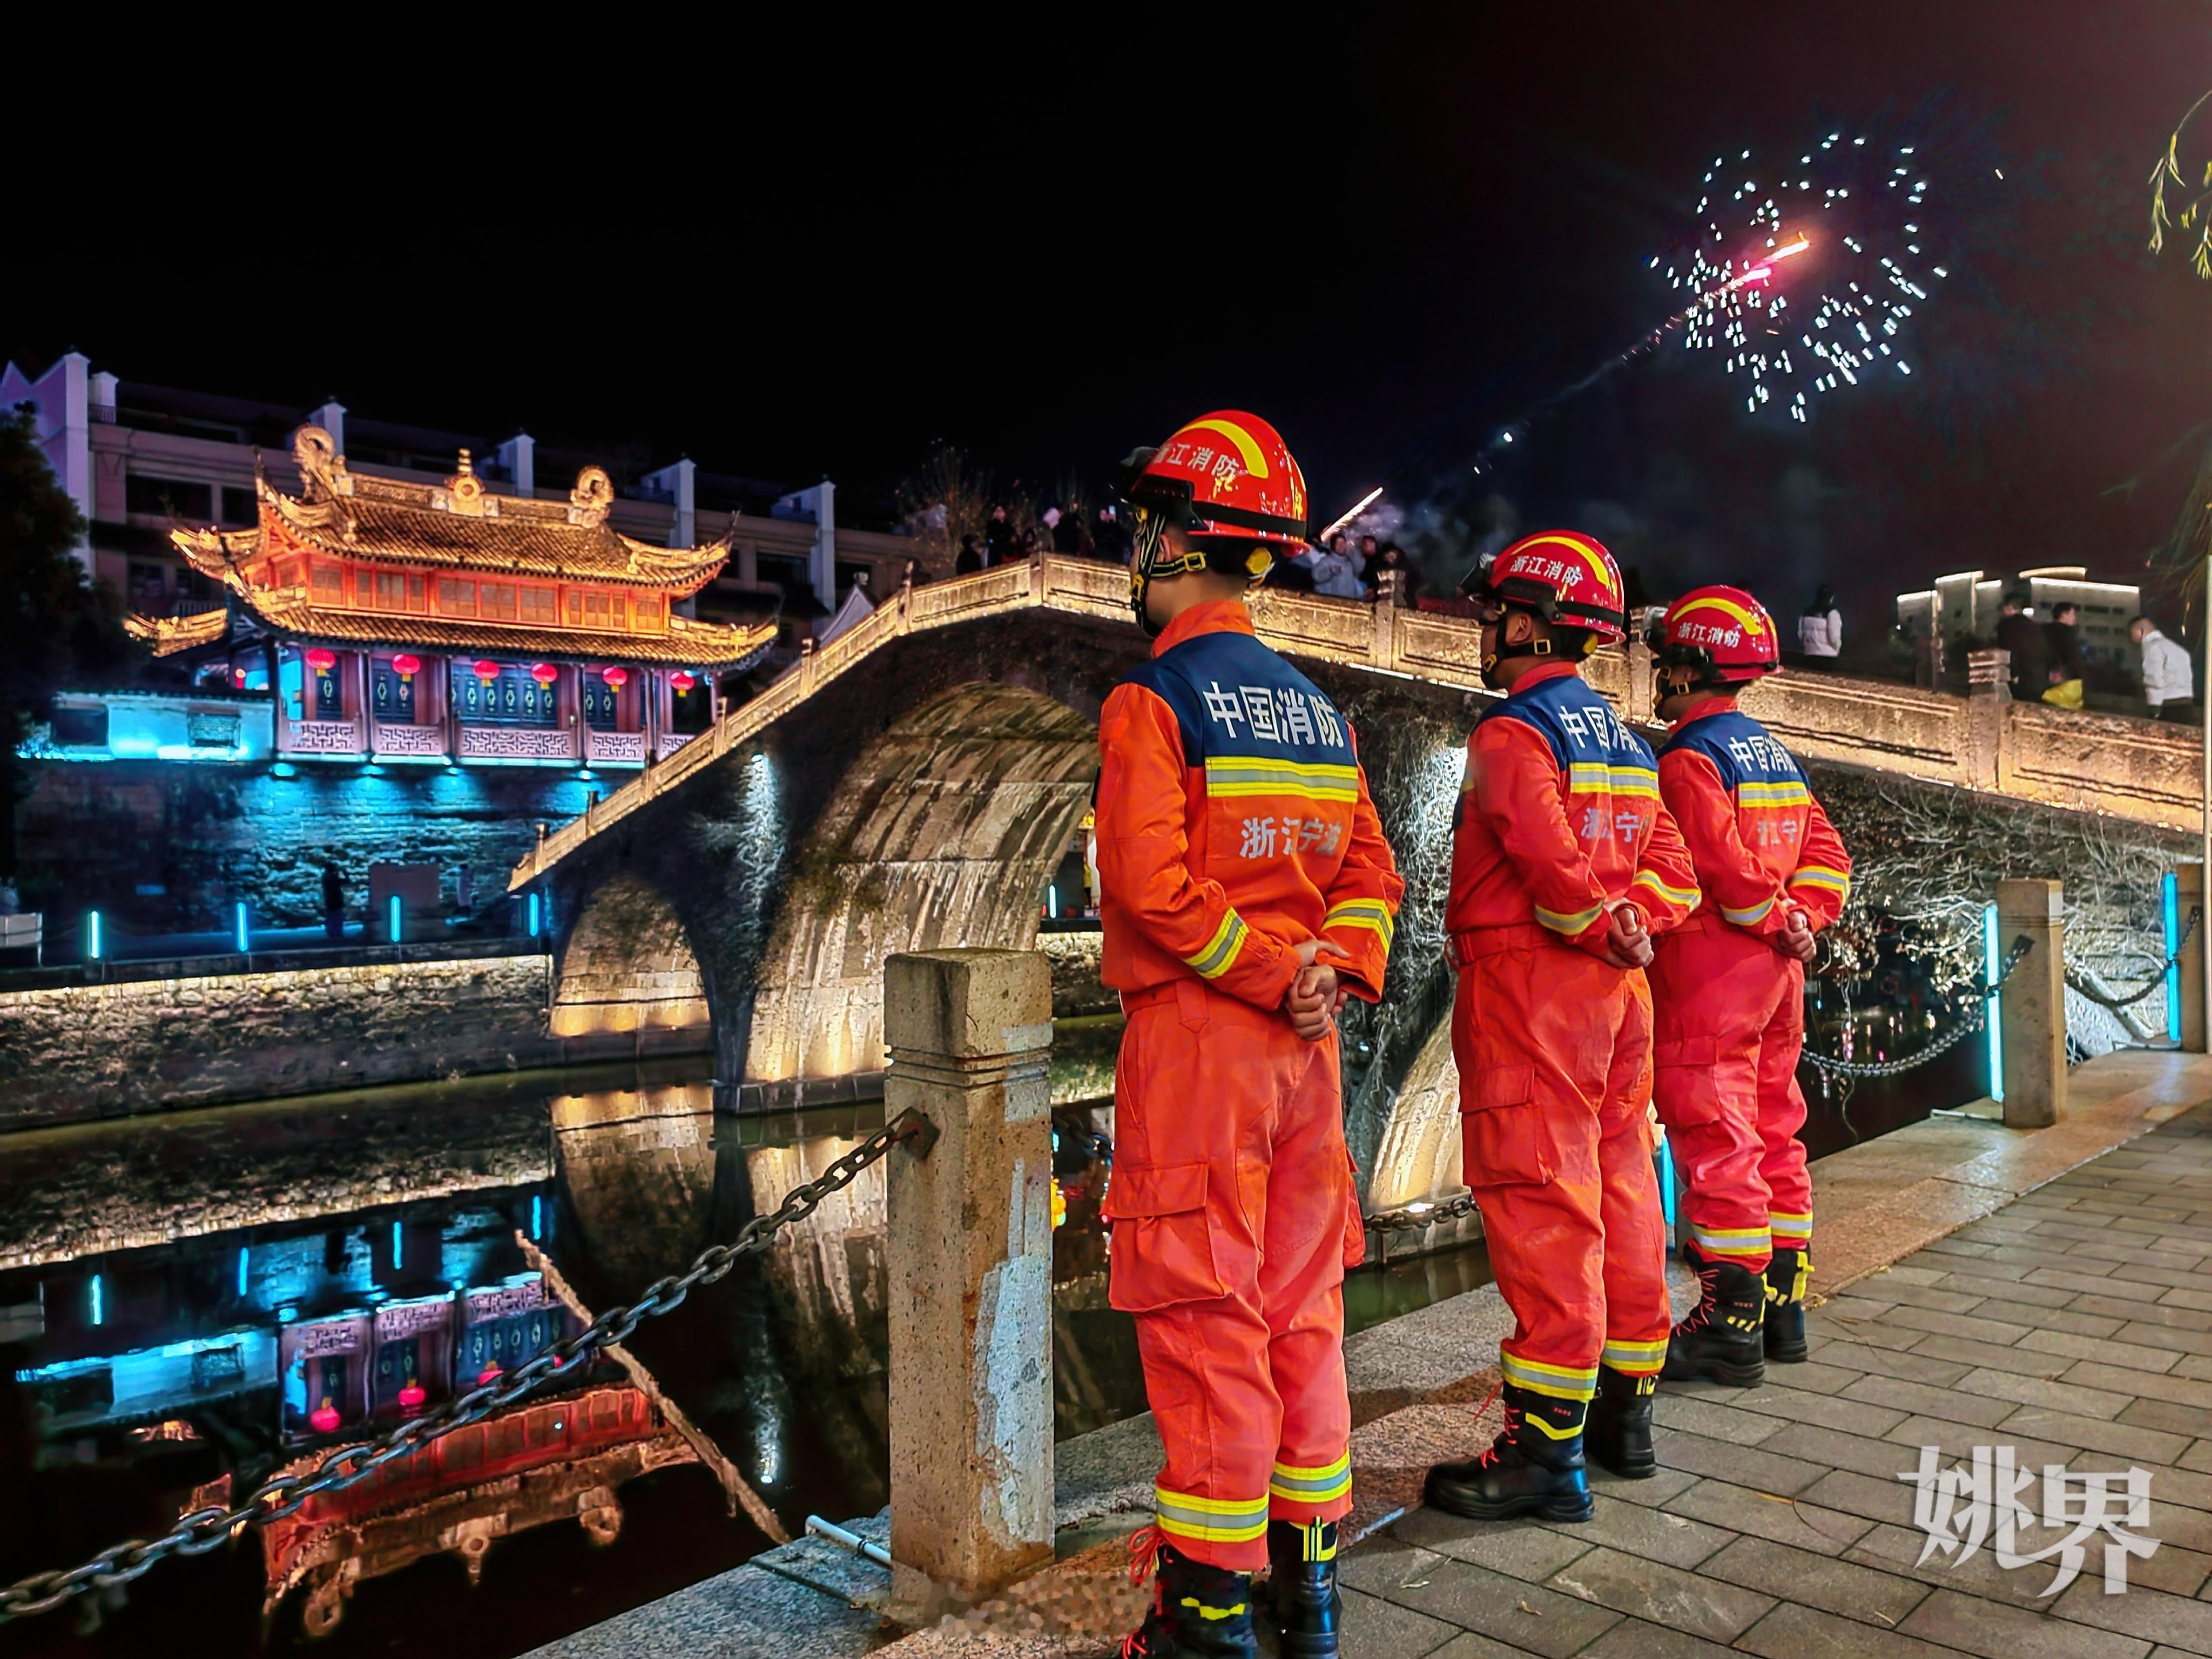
[2032, 1003]
[2189, 895]
[1988, 696]
[970, 1271]
[1384, 652]
[1640, 710]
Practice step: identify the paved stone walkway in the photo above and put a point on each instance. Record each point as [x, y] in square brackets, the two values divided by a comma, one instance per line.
[2074, 1325]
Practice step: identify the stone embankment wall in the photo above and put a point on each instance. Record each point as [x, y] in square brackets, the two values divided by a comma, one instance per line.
[73, 1053]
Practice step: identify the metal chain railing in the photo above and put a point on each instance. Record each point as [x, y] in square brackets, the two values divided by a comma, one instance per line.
[202, 1530]
[1967, 1024]
[2121, 1005]
[1412, 1219]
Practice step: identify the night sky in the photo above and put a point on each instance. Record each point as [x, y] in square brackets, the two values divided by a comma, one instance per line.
[789, 253]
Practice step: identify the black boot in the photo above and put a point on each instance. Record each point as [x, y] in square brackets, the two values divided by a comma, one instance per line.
[1787, 1275]
[1721, 1337]
[1303, 1603]
[1197, 1610]
[1619, 1432]
[1535, 1466]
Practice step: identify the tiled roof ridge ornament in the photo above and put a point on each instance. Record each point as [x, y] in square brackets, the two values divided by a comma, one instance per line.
[323, 475]
[464, 493]
[591, 498]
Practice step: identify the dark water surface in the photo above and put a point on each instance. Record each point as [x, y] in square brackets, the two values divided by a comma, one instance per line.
[189, 1303]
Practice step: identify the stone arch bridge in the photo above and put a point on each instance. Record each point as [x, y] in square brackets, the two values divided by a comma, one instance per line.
[914, 783]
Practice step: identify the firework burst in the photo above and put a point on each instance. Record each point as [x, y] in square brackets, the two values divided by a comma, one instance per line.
[1806, 277]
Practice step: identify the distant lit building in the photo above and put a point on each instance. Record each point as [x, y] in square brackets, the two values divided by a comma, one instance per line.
[1963, 608]
[404, 622]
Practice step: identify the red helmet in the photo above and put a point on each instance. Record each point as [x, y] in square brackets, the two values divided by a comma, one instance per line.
[1722, 634]
[1564, 576]
[1231, 483]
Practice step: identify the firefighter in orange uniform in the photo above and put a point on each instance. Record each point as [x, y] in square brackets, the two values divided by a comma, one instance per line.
[1245, 888]
[1728, 989]
[1565, 867]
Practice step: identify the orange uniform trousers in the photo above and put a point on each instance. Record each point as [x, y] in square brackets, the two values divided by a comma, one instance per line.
[1234, 1215]
[1729, 1023]
[1554, 1048]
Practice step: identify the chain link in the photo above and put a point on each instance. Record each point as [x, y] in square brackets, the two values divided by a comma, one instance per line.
[1967, 1024]
[2121, 1005]
[285, 1495]
[1407, 1221]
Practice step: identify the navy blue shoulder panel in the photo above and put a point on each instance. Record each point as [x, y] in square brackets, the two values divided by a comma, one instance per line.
[1177, 693]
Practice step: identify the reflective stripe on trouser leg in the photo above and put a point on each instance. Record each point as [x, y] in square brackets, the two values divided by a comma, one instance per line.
[1315, 1487]
[1750, 1246]
[1791, 1232]
[1189, 1519]
[1635, 1358]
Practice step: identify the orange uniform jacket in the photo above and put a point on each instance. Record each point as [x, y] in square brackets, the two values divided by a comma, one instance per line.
[1233, 822]
[1761, 844]
[1559, 813]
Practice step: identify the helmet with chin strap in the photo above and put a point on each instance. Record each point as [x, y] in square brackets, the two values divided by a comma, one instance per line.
[1228, 482]
[1714, 635]
[1561, 576]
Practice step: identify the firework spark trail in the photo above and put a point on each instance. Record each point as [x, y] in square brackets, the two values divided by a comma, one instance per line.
[1867, 207]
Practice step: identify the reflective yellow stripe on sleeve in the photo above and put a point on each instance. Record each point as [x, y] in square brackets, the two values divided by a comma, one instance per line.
[1569, 925]
[1687, 897]
[1819, 875]
[1221, 951]
[1371, 913]
[1751, 917]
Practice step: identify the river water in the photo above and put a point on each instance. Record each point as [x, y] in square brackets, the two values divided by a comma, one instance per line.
[190, 1302]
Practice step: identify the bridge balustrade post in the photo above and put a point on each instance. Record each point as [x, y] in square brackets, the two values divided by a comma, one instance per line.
[1640, 710]
[2189, 895]
[1989, 698]
[2032, 1003]
[970, 1272]
[1384, 652]
[806, 664]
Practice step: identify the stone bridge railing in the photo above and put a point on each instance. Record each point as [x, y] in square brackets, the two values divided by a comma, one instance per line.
[2131, 768]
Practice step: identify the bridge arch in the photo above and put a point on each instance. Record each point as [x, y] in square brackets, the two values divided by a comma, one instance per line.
[943, 831]
[629, 980]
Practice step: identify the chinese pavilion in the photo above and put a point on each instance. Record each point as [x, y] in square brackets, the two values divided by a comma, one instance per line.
[409, 621]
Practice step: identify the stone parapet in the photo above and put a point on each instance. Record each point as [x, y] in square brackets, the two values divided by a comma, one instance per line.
[73, 1053]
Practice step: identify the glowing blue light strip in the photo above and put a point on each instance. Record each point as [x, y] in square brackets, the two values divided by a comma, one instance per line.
[241, 1273]
[1995, 1020]
[395, 918]
[399, 1252]
[92, 927]
[244, 940]
[533, 916]
[537, 1215]
[2169, 897]
[99, 1302]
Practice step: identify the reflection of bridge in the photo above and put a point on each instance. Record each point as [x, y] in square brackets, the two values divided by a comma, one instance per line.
[912, 784]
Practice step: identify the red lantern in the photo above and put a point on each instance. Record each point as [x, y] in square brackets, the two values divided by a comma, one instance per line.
[324, 1419]
[617, 678]
[411, 1398]
[487, 671]
[545, 673]
[239, 675]
[489, 1374]
[322, 661]
[682, 682]
[405, 667]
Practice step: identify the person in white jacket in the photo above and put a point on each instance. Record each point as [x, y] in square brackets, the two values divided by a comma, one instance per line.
[1820, 629]
[1335, 572]
[2166, 682]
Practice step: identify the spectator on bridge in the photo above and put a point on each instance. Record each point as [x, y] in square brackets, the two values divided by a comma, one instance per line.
[2167, 685]
[971, 559]
[333, 901]
[1333, 568]
[2062, 638]
[1820, 628]
[2019, 633]
[915, 573]
[1370, 559]
[1111, 541]
[1071, 534]
[1000, 541]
